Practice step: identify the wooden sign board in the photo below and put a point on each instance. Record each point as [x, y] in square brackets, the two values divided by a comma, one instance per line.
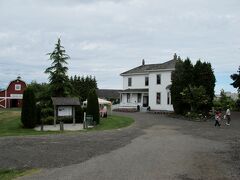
[65, 111]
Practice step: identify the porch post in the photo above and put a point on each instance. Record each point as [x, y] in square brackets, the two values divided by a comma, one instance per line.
[73, 111]
[55, 114]
[6, 98]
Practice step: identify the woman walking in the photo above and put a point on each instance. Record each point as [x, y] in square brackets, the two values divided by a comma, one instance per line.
[228, 116]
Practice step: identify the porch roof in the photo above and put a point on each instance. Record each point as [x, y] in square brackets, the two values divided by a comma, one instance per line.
[134, 91]
[65, 101]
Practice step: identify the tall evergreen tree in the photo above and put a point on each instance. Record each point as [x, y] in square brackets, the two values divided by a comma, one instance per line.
[93, 106]
[58, 71]
[190, 83]
[204, 76]
[236, 79]
[177, 87]
[28, 114]
[82, 85]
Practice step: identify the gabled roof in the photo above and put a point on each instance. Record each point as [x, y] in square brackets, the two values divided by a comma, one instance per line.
[65, 101]
[151, 67]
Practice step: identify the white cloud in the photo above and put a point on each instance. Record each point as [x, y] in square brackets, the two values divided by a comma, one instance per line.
[106, 37]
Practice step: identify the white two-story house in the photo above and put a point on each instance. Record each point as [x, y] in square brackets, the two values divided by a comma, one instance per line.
[148, 85]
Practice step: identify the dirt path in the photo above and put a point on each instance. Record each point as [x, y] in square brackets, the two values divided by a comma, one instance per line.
[155, 147]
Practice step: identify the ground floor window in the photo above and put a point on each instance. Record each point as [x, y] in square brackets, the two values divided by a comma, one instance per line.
[128, 97]
[139, 97]
[158, 98]
[169, 101]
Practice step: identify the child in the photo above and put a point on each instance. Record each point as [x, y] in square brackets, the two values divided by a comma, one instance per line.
[218, 118]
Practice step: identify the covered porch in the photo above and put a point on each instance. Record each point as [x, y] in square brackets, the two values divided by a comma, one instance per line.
[134, 98]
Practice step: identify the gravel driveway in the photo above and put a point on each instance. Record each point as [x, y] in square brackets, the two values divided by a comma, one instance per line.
[154, 147]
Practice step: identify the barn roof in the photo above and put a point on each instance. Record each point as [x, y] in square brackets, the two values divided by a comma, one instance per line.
[65, 101]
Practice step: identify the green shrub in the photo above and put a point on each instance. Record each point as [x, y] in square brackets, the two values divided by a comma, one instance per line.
[47, 111]
[93, 106]
[38, 114]
[79, 114]
[48, 120]
[66, 119]
[28, 115]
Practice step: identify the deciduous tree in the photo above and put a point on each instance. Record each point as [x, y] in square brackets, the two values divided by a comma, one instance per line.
[236, 80]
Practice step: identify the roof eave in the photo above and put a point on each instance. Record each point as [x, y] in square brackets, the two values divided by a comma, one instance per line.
[129, 74]
[161, 70]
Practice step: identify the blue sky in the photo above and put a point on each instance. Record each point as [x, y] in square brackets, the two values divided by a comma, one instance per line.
[107, 37]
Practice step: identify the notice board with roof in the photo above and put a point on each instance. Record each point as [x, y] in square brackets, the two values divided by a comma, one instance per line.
[64, 107]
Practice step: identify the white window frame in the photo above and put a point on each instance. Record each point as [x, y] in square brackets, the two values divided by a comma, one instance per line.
[157, 79]
[139, 97]
[146, 81]
[129, 82]
[128, 97]
[158, 102]
[18, 87]
[169, 99]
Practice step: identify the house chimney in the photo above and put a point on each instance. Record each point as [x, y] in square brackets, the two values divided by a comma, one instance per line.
[143, 62]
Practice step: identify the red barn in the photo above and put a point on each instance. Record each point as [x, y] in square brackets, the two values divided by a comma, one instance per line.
[12, 96]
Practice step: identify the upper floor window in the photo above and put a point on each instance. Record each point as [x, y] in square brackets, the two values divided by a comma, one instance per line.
[158, 98]
[146, 81]
[17, 87]
[129, 81]
[158, 78]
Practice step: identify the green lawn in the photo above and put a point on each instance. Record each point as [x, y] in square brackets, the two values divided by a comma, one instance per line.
[10, 124]
[113, 122]
[12, 174]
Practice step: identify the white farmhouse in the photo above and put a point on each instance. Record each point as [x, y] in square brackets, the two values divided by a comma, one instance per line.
[148, 85]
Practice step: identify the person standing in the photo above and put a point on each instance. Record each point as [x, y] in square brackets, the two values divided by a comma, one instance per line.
[218, 118]
[228, 116]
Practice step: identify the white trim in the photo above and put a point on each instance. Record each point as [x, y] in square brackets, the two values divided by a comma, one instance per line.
[10, 98]
[129, 74]
[18, 87]
[146, 72]
[161, 70]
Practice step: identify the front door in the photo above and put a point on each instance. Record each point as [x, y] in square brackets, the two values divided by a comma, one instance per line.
[145, 101]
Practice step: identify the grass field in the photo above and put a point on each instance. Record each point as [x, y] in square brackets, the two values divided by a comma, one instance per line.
[12, 174]
[10, 124]
[113, 122]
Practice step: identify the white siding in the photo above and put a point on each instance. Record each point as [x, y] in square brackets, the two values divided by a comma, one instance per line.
[132, 102]
[154, 88]
[138, 82]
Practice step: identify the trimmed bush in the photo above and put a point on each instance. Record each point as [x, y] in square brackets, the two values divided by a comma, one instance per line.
[38, 114]
[93, 106]
[48, 120]
[79, 114]
[28, 115]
